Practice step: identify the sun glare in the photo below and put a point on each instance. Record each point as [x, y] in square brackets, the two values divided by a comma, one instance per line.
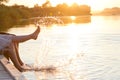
[94, 4]
[73, 17]
[79, 2]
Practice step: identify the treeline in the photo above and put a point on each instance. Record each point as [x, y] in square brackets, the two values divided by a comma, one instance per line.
[61, 10]
[111, 11]
[11, 15]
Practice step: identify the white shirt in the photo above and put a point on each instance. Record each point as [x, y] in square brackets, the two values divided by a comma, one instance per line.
[5, 40]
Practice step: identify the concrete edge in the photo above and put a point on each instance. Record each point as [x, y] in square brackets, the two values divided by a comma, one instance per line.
[15, 73]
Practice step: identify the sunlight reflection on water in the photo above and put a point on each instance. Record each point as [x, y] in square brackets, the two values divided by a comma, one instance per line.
[78, 51]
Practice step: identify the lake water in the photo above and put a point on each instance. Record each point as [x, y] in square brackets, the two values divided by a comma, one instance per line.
[79, 51]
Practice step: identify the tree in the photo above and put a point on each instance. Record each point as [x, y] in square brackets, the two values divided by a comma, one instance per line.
[1, 1]
[46, 4]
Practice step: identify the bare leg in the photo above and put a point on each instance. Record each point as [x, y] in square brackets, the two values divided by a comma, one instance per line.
[13, 57]
[13, 48]
[27, 37]
[17, 53]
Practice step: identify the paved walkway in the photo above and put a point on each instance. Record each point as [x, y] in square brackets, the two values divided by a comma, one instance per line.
[8, 71]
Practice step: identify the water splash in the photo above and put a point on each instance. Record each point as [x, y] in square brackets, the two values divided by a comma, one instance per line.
[48, 21]
[41, 59]
[44, 22]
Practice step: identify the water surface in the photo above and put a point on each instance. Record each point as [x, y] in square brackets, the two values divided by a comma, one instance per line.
[80, 51]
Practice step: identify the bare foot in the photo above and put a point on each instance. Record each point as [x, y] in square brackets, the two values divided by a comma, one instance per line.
[24, 66]
[35, 34]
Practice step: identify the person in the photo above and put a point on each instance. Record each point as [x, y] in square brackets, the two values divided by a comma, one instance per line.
[9, 44]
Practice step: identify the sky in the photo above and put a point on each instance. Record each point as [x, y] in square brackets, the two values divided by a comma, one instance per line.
[96, 5]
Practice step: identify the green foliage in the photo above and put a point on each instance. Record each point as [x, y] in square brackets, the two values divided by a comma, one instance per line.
[10, 16]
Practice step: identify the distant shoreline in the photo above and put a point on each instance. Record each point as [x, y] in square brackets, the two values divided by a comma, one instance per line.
[115, 11]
